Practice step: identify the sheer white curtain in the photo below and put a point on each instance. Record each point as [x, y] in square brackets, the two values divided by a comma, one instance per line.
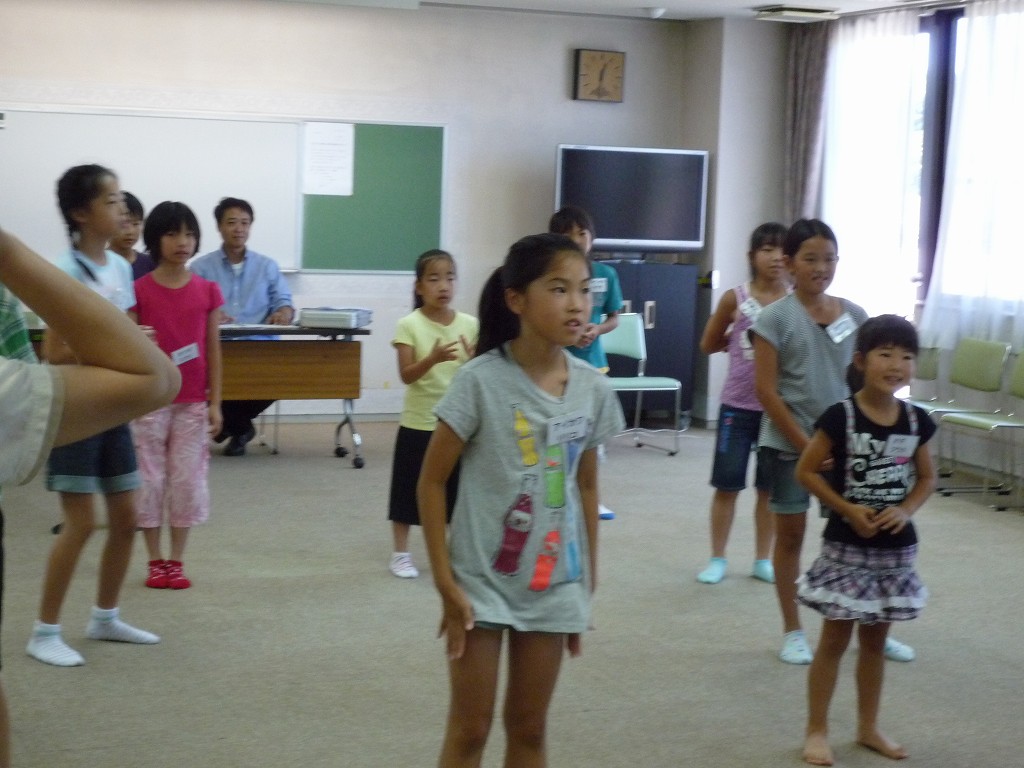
[977, 286]
[870, 190]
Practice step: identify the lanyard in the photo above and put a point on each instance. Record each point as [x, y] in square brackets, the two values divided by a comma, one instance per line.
[84, 264]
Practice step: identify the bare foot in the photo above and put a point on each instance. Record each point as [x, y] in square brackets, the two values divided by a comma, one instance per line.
[882, 744]
[816, 749]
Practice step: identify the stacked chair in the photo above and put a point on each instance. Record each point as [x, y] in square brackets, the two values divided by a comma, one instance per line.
[999, 428]
[976, 375]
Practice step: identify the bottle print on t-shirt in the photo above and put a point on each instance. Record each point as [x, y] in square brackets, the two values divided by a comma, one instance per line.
[560, 453]
[519, 517]
[554, 477]
[518, 522]
[554, 499]
[546, 562]
[524, 436]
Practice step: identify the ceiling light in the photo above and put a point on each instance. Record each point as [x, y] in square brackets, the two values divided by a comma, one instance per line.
[794, 14]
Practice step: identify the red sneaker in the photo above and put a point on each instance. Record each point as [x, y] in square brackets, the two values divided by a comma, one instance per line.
[175, 578]
[157, 574]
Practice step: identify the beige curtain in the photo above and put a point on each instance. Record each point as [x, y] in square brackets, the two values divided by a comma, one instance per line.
[805, 99]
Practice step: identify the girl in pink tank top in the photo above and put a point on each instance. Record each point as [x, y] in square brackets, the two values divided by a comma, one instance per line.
[739, 415]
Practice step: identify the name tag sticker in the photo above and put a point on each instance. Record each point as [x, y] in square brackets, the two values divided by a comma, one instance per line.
[841, 328]
[901, 446]
[186, 353]
[751, 308]
[565, 429]
[598, 285]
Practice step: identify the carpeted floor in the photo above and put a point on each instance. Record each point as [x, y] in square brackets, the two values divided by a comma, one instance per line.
[296, 647]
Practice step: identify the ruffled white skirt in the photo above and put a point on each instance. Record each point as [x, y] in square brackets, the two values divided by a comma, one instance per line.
[864, 584]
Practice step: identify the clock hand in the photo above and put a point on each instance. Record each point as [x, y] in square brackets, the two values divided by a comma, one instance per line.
[600, 90]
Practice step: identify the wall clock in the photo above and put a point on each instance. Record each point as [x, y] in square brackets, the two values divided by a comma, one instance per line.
[598, 75]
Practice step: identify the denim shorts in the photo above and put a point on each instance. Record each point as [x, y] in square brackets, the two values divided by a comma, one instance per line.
[787, 496]
[103, 463]
[736, 438]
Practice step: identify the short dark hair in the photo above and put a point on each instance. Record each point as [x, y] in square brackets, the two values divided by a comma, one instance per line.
[881, 331]
[885, 330]
[78, 187]
[134, 205]
[805, 229]
[563, 220]
[227, 203]
[168, 217]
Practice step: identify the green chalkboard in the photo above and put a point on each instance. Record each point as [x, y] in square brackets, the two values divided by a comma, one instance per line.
[394, 212]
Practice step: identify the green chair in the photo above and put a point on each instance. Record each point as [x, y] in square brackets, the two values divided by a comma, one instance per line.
[994, 426]
[976, 371]
[927, 370]
[977, 367]
[628, 340]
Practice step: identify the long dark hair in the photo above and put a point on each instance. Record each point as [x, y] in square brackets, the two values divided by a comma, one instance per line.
[770, 233]
[422, 262]
[528, 259]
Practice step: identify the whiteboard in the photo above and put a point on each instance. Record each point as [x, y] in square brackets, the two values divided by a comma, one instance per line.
[195, 160]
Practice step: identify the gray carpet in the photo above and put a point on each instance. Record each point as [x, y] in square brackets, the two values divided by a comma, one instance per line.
[296, 647]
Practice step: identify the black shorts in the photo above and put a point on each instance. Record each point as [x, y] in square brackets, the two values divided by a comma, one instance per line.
[410, 448]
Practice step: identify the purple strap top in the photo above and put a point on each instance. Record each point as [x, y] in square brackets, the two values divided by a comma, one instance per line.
[738, 390]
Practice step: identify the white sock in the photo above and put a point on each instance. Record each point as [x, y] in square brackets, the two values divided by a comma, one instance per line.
[47, 645]
[105, 625]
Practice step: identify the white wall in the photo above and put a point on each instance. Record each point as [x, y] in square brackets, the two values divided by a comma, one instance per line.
[750, 161]
[733, 99]
[498, 81]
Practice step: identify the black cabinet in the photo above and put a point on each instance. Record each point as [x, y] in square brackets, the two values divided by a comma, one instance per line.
[666, 296]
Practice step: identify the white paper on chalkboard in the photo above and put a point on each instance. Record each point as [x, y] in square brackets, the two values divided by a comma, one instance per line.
[328, 154]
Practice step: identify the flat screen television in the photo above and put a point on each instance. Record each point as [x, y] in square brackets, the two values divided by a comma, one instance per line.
[640, 199]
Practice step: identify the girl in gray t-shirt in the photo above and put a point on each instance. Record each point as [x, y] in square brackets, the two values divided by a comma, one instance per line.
[525, 418]
[802, 346]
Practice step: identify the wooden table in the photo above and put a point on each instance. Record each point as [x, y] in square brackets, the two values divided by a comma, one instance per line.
[326, 368]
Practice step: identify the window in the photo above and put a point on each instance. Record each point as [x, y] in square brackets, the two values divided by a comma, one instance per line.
[874, 135]
[977, 283]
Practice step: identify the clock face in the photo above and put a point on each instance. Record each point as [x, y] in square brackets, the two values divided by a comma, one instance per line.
[599, 75]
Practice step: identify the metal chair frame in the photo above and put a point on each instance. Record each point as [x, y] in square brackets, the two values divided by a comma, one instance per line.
[994, 425]
[628, 340]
